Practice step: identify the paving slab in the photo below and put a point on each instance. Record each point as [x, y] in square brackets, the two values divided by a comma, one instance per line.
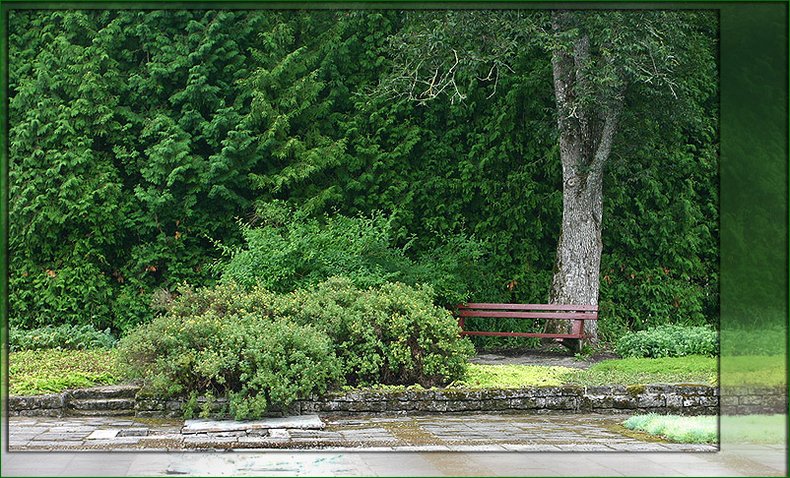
[102, 434]
[312, 422]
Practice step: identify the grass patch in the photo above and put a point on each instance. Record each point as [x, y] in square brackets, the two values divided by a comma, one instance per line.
[701, 429]
[34, 372]
[762, 429]
[513, 376]
[765, 370]
[631, 371]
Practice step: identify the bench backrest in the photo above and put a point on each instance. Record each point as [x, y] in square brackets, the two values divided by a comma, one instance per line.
[576, 312]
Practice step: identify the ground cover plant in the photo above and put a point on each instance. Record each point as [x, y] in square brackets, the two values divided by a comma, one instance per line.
[60, 337]
[513, 376]
[669, 341]
[36, 372]
[689, 369]
[697, 429]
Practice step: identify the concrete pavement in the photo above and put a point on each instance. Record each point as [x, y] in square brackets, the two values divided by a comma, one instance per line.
[452, 445]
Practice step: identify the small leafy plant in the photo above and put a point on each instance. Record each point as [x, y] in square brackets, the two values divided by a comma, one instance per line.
[669, 341]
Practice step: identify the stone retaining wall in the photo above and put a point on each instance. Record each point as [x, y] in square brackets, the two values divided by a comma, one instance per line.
[676, 399]
[689, 399]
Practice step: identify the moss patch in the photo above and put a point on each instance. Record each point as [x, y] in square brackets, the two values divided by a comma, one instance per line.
[36, 372]
[513, 376]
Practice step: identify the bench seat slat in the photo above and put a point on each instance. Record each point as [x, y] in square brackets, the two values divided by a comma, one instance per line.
[528, 315]
[487, 306]
[523, 334]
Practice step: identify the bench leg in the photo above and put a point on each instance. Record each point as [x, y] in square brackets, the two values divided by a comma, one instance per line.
[575, 345]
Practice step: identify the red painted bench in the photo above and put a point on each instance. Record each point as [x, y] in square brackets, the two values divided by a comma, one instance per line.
[574, 312]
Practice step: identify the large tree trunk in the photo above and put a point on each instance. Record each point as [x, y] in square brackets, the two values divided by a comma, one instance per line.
[585, 139]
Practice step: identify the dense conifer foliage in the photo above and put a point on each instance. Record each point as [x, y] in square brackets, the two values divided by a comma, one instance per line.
[140, 139]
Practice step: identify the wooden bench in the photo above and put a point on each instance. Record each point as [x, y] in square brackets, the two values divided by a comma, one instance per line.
[574, 312]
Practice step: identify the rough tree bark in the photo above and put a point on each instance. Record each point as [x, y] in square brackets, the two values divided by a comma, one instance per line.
[585, 140]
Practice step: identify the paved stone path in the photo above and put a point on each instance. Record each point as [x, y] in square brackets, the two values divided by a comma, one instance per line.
[473, 432]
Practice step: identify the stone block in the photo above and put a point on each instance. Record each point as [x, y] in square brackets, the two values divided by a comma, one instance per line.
[150, 404]
[463, 405]
[658, 388]
[110, 391]
[598, 390]
[49, 401]
[624, 402]
[495, 404]
[651, 400]
[596, 402]
[174, 405]
[562, 402]
[527, 403]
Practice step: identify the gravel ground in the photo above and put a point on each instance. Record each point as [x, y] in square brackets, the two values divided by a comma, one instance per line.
[547, 356]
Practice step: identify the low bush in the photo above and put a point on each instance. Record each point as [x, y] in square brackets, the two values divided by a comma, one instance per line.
[259, 362]
[392, 334]
[64, 337]
[669, 341]
[289, 250]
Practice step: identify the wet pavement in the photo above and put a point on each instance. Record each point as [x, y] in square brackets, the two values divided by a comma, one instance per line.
[468, 432]
[447, 445]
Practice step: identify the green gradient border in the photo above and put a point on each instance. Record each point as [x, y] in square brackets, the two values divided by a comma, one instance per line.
[754, 145]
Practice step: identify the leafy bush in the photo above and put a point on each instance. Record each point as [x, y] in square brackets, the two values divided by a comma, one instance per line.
[291, 250]
[202, 346]
[61, 337]
[387, 335]
[669, 341]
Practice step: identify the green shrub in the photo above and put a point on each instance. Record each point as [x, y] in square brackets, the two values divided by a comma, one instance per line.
[669, 341]
[393, 334]
[290, 250]
[258, 361]
[64, 337]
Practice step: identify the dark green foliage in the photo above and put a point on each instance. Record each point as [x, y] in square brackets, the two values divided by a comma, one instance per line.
[388, 335]
[263, 349]
[669, 341]
[63, 337]
[213, 344]
[291, 250]
[138, 137]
